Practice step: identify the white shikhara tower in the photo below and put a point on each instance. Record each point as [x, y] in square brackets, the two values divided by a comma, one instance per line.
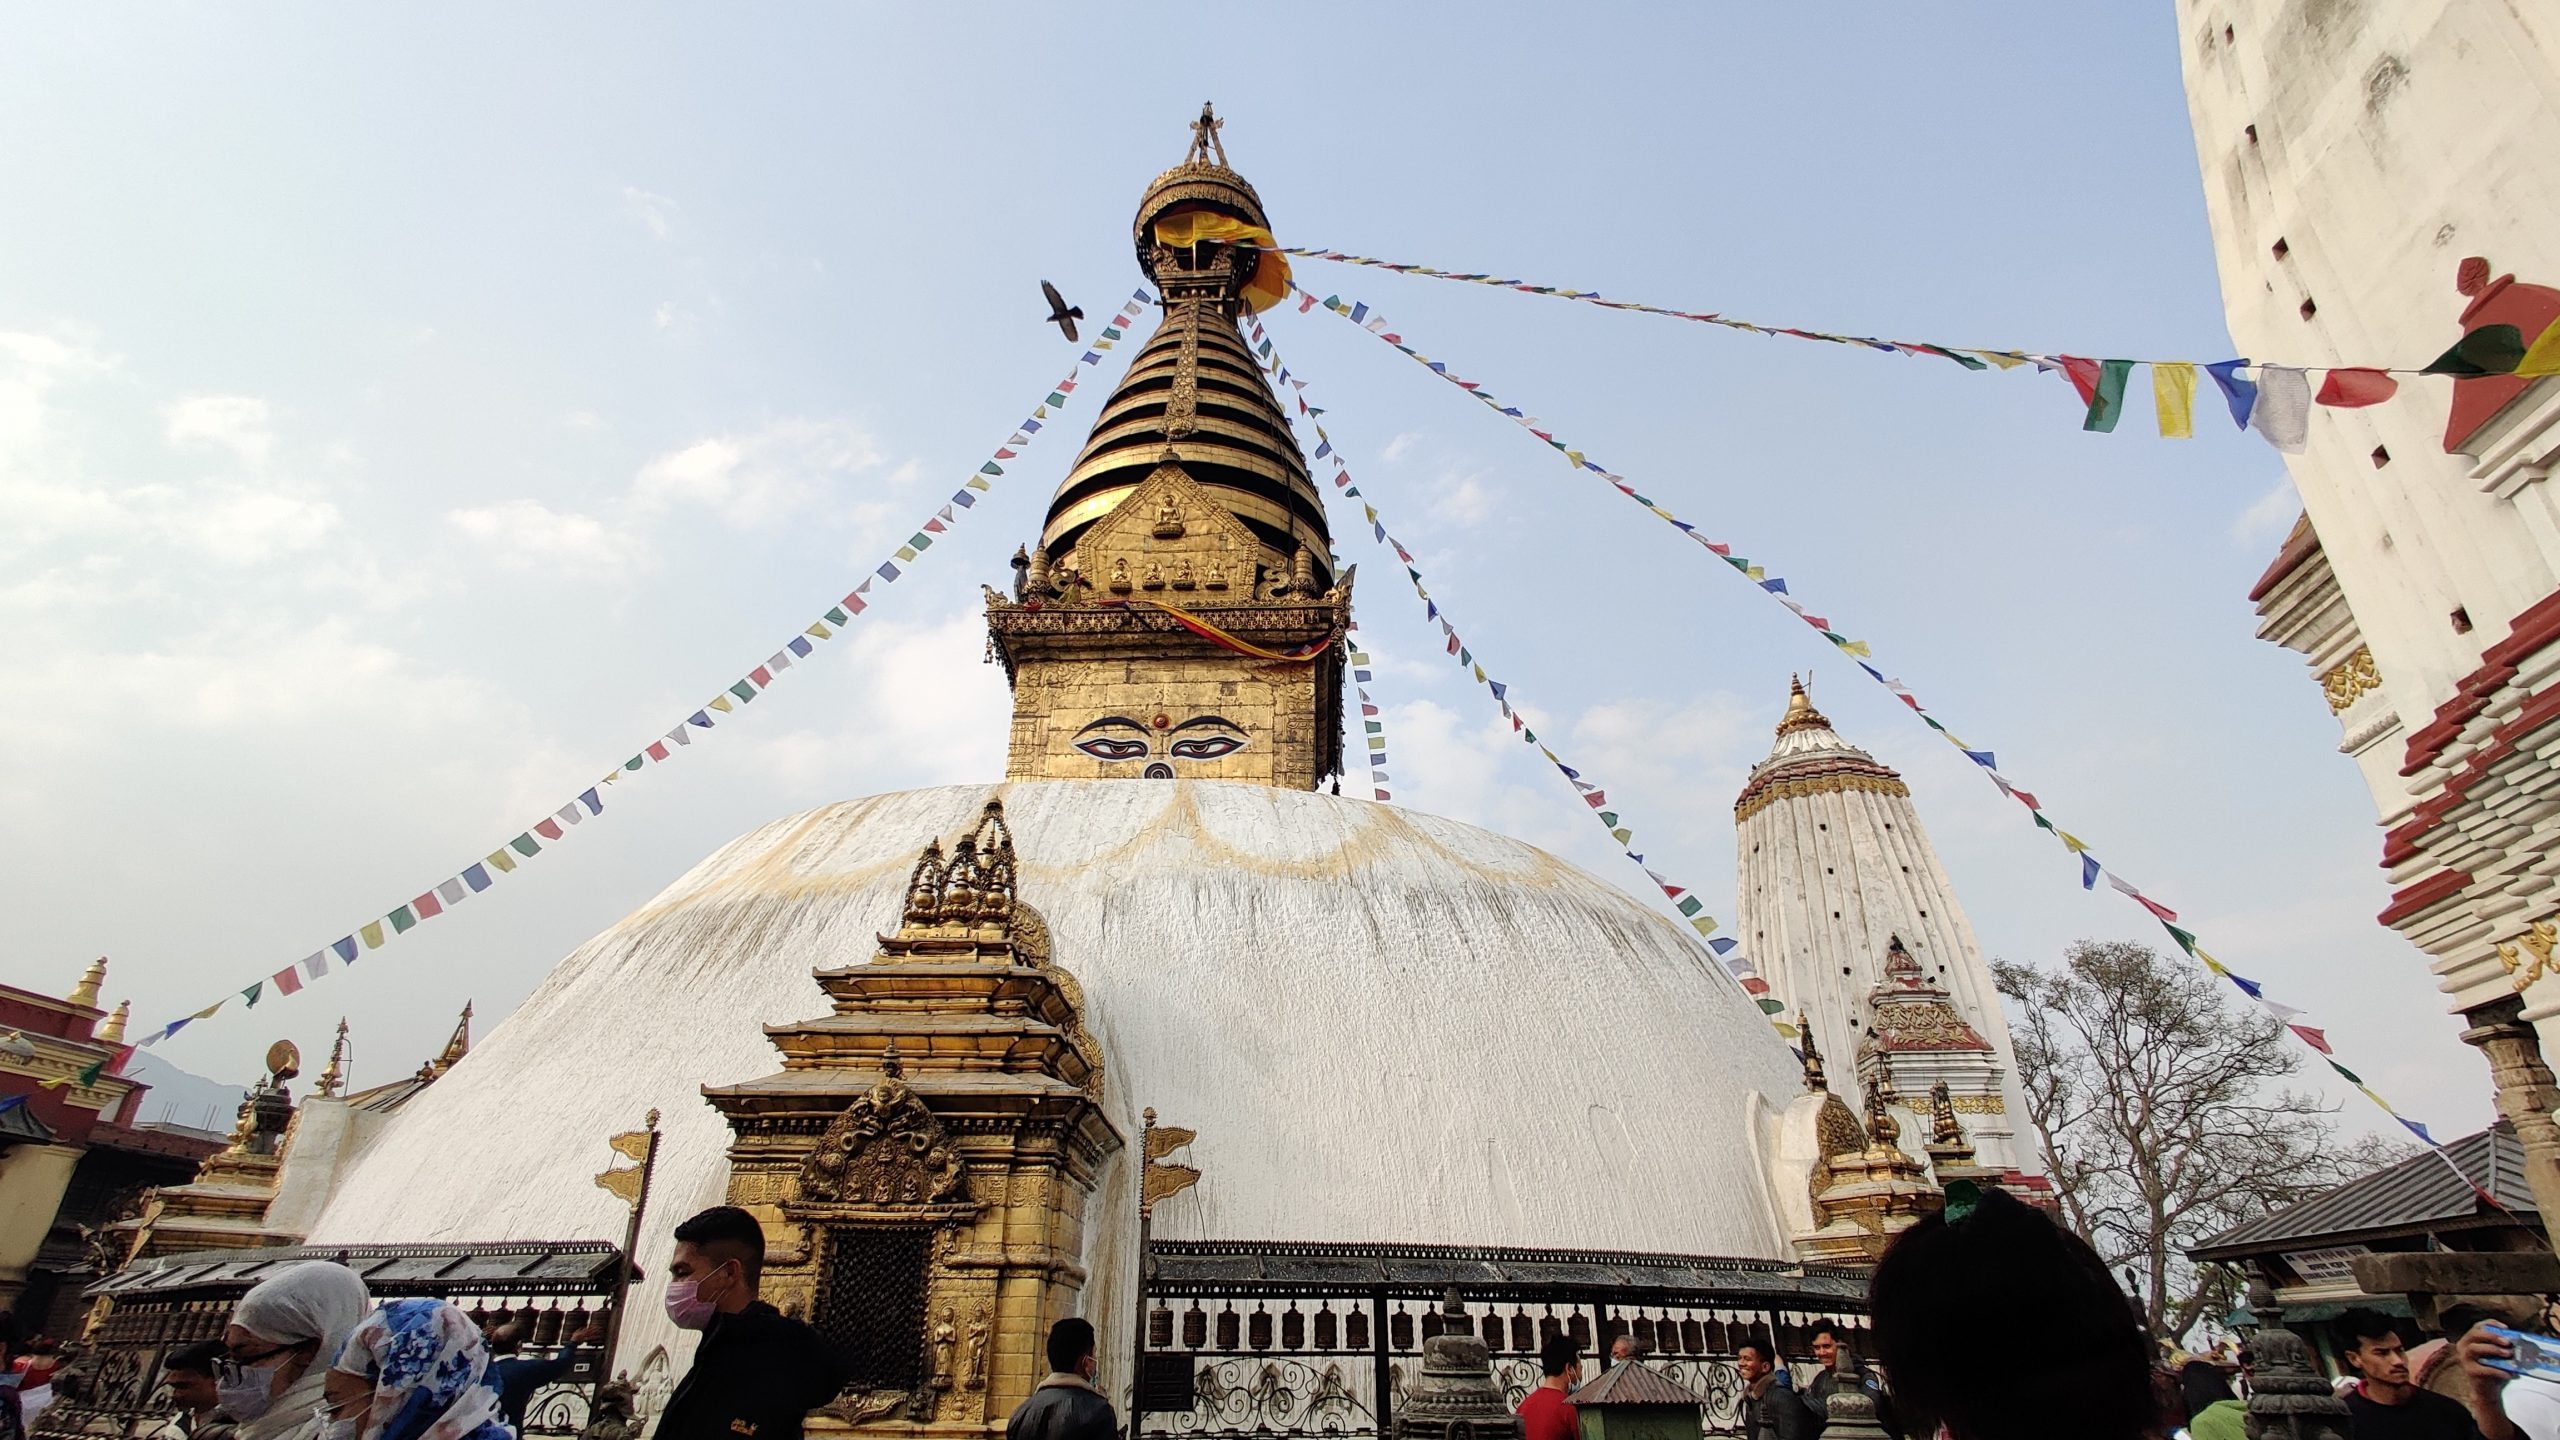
[1844, 906]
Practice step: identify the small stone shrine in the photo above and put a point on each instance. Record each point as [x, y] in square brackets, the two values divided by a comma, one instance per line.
[1455, 1397]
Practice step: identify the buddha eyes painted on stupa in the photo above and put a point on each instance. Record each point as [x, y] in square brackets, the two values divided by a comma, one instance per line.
[1116, 738]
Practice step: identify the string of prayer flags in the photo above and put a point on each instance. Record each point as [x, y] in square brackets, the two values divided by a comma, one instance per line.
[477, 876]
[2490, 350]
[2275, 384]
[1373, 726]
[1595, 798]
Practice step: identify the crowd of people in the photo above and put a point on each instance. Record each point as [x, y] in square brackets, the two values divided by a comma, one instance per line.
[309, 1355]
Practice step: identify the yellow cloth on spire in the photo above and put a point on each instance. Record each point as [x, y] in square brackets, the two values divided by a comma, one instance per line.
[2543, 356]
[1270, 283]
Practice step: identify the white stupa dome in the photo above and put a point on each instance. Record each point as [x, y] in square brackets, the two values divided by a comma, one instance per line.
[1385, 1027]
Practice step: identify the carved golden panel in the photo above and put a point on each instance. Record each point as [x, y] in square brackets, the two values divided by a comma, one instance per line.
[2347, 681]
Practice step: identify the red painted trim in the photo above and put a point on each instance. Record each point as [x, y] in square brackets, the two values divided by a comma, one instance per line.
[2410, 899]
[2527, 634]
[2300, 544]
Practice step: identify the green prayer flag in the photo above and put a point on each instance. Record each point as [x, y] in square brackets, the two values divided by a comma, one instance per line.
[2106, 407]
[743, 690]
[1691, 905]
[991, 468]
[525, 845]
[837, 616]
[632, 764]
[2186, 939]
[251, 994]
[402, 922]
[1772, 1005]
[1056, 399]
[2489, 350]
[2041, 822]
[1610, 819]
[1958, 356]
[89, 1076]
[2352, 1077]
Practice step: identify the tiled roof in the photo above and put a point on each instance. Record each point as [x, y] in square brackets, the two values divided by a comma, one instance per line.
[1632, 1383]
[2410, 1194]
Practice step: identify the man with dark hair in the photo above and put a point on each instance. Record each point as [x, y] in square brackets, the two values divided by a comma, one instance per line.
[1827, 1335]
[189, 1370]
[1545, 1415]
[518, 1375]
[1771, 1409]
[2385, 1403]
[1066, 1406]
[757, 1373]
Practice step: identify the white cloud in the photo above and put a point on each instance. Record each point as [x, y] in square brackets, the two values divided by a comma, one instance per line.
[1400, 446]
[2267, 521]
[587, 421]
[671, 316]
[763, 475]
[243, 525]
[652, 210]
[237, 423]
[526, 534]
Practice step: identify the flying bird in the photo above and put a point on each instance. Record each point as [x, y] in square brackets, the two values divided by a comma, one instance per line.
[1061, 314]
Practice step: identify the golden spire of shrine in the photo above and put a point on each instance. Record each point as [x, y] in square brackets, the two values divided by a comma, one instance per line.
[1800, 712]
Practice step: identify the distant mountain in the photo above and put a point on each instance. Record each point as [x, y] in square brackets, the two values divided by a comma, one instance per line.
[180, 1098]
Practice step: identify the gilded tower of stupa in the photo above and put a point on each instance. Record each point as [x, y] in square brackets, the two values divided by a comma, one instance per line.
[1180, 617]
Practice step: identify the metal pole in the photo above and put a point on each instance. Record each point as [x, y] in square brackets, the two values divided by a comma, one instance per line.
[622, 1281]
[1378, 1356]
[1146, 1226]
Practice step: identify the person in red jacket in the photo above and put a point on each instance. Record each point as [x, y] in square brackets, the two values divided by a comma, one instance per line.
[1545, 1415]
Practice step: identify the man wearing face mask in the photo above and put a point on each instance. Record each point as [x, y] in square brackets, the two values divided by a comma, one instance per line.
[1066, 1406]
[757, 1373]
[282, 1336]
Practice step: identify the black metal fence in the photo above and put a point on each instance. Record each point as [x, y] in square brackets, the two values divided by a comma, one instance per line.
[118, 1387]
[1306, 1339]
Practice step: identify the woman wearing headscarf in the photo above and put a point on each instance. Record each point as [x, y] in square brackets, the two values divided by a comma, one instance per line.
[414, 1370]
[282, 1336]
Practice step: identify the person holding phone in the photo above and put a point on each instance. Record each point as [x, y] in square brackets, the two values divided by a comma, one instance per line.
[2510, 1367]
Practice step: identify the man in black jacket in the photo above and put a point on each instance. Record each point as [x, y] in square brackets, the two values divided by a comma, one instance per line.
[1066, 1406]
[757, 1373]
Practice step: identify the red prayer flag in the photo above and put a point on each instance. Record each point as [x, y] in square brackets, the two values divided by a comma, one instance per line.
[2155, 907]
[1754, 985]
[287, 980]
[2023, 798]
[549, 829]
[761, 676]
[2311, 1037]
[2083, 375]
[2355, 388]
[429, 907]
[658, 750]
[1005, 454]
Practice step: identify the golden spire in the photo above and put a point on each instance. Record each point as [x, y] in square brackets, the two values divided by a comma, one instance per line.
[455, 1047]
[86, 992]
[1815, 1082]
[333, 1079]
[112, 1033]
[1800, 712]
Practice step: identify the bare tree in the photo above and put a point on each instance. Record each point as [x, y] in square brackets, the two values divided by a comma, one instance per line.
[2159, 1110]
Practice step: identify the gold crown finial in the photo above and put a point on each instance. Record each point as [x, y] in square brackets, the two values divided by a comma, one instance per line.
[1206, 147]
[86, 992]
[1800, 712]
[112, 1033]
[1815, 1081]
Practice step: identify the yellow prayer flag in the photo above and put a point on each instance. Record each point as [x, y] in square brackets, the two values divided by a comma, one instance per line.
[1703, 924]
[1480, 675]
[979, 482]
[207, 1012]
[1756, 573]
[501, 861]
[372, 935]
[2542, 357]
[2071, 842]
[905, 552]
[1855, 647]
[1575, 456]
[1785, 1029]
[1039, 412]
[819, 629]
[2173, 394]
[721, 704]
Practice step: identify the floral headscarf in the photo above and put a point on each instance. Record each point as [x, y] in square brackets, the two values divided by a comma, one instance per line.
[430, 1374]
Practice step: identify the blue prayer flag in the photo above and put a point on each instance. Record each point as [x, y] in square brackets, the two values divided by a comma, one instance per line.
[2241, 395]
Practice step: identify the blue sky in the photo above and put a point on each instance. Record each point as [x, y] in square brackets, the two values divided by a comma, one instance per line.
[405, 414]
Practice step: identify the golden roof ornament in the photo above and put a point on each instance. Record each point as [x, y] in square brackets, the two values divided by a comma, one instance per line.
[112, 1033]
[333, 1076]
[1815, 1081]
[86, 992]
[1800, 712]
[1158, 1180]
[1883, 1131]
